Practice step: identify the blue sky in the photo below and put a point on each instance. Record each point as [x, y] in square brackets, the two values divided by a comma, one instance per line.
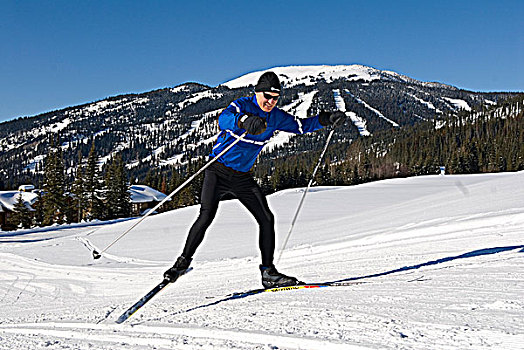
[57, 53]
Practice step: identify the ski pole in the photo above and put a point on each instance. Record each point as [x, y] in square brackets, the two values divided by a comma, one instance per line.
[304, 194]
[97, 255]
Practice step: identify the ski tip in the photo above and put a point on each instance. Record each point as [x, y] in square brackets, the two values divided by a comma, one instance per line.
[125, 316]
[120, 320]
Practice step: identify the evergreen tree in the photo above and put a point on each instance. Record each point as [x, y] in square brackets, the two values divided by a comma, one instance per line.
[163, 185]
[94, 207]
[118, 197]
[54, 186]
[266, 185]
[472, 159]
[174, 182]
[323, 177]
[79, 202]
[21, 214]
[38, 206]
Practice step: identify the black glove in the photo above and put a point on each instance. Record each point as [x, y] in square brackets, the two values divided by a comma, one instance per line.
[331, 118]
[254, 125]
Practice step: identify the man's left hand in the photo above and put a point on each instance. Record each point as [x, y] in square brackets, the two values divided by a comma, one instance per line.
[335, 118]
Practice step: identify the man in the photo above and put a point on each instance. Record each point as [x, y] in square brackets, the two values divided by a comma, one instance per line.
[230, 174]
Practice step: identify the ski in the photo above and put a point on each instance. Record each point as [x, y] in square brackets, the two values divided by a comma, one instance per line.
[129, 312]
[247, 293]
[296, 287]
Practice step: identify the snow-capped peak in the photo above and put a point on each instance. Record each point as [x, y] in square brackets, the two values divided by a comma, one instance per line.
[309, 75]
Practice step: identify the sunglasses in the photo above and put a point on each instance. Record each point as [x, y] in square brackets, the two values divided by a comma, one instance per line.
[270, 97]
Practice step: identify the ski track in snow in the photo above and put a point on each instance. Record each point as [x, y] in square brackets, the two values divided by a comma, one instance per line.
[166, 336]
[441, 259]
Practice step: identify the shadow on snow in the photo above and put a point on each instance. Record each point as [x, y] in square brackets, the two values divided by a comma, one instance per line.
[472, 254]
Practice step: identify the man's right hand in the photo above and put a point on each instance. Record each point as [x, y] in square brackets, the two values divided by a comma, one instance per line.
[252, 124]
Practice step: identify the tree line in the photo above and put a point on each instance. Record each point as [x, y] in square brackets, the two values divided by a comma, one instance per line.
[87, 194]
[481, 141]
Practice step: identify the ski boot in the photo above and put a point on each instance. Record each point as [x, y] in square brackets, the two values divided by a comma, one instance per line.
[271, 278]
[178, 269]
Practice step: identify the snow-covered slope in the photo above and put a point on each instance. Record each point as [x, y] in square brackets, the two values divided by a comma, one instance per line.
[310, 75]
[440, 260]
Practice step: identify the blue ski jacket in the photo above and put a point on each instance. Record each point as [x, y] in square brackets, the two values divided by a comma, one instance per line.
[243, 155]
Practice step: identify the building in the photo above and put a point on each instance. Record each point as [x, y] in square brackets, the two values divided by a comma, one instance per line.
[8, 201]
[144, 198]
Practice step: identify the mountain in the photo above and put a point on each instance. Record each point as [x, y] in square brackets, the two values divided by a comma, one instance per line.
[170, 126]
[309, 75]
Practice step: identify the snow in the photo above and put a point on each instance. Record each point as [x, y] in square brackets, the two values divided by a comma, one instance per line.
[359, 122]
[116, 149]
[301, 106]
[106, 105]
[194, 98]
[196, 127]
[56, 127]
[145, 194]
[440, 260]
[8, 199]
[377, 112]
[309, 75]
[180, 88]
[426, 103]
[32, 164]
[458, 103]
[26, 188]
[97, 107]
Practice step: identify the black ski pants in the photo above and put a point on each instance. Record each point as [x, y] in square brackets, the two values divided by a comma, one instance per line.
[220, 181]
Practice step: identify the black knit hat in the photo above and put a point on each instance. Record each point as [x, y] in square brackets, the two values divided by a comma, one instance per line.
[268, 82]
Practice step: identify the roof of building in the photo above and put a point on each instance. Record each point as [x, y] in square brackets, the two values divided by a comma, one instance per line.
[8, 199]
[145, 194]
